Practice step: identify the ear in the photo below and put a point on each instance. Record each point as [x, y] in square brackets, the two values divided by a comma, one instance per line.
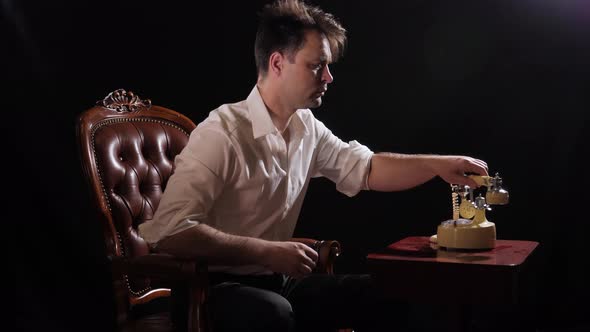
[275, 63]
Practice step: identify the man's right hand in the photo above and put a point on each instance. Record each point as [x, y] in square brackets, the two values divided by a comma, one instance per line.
[291, 258]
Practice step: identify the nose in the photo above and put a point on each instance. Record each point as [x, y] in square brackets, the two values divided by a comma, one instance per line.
[327, 75]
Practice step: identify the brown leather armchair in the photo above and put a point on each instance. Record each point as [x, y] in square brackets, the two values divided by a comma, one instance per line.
[127, 148]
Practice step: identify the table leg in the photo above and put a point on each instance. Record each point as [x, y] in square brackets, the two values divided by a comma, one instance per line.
[456, 318]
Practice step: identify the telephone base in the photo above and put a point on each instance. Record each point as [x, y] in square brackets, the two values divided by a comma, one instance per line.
[463, 234]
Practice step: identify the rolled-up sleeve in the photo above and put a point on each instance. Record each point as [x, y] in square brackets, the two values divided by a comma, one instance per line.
[346, 164]
[198, 179]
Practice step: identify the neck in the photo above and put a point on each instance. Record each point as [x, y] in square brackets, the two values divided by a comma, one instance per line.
[278, 110]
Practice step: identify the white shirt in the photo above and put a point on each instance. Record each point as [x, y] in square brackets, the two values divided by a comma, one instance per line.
[238, 175]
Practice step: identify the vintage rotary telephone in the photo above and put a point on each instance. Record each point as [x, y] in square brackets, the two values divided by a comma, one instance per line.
[469, 228]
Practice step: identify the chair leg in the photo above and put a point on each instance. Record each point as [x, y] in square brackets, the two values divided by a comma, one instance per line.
[179, 303]
[197, 311]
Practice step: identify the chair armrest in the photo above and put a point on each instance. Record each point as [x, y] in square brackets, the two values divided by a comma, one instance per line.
[164, 266]
[188, 279]
[327, 251]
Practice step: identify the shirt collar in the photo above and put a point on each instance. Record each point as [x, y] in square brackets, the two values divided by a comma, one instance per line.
[262, 124]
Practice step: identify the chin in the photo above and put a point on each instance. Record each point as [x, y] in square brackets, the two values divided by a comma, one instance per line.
[315, 103]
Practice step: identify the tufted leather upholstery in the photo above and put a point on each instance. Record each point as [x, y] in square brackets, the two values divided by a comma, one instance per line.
[127, 149]
[135, 157]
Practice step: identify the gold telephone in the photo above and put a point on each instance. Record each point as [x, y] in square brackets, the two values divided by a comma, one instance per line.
[469, 228]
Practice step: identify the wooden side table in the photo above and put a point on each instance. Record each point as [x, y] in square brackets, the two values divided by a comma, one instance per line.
[412, 270]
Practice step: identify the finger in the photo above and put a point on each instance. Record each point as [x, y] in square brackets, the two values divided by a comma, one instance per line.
[304, 269]
[308, 262]
[481, 163]
[300, 271]
[311, 253]
[462, 180]
[476, 168]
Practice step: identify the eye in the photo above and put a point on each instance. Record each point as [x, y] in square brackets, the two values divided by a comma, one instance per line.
[317, 67]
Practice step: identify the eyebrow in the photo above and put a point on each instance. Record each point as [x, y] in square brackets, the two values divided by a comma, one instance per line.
[324, 59]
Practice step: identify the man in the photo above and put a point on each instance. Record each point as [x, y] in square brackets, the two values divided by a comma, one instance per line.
[238, 186]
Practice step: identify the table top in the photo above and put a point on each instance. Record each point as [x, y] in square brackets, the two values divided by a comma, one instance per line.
[419, 249]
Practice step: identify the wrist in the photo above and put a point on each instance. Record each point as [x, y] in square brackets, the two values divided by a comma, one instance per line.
[430, 163]
[261, 251]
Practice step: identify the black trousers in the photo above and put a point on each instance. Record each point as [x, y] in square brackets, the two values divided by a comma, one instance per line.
[317, 302]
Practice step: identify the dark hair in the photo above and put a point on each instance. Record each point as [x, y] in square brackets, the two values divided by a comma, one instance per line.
[282, 28]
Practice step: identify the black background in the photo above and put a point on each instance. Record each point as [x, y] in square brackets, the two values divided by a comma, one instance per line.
[504, 81]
